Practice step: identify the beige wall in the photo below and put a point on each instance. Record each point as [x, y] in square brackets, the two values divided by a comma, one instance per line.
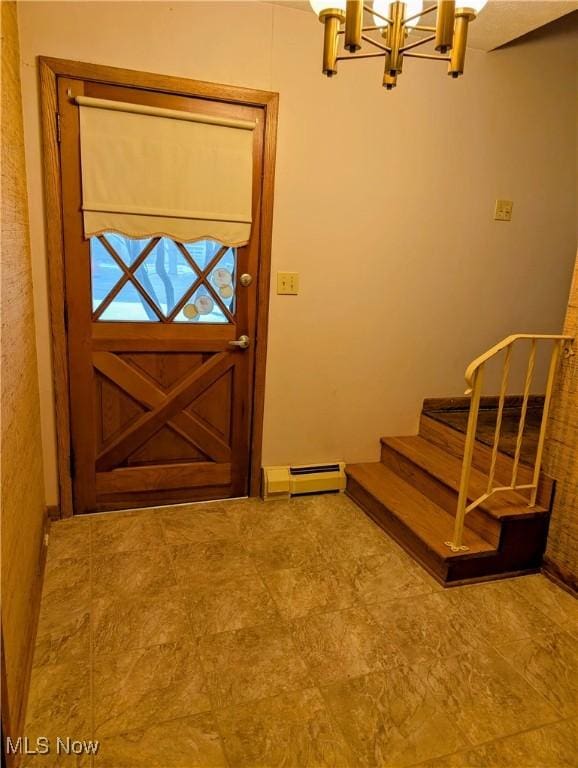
[22, 494]
[384, 204]
[561, 458]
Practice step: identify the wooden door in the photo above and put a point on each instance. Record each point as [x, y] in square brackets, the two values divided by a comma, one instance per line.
[160, 397]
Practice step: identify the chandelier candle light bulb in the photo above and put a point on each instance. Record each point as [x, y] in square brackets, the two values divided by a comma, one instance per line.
[353, 25]
[394, 21]
[332, 15]
[445, 25]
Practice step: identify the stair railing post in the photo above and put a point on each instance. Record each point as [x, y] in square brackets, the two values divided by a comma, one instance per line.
[522, 422]
[498, 428]
[456, 544]
[554, 360]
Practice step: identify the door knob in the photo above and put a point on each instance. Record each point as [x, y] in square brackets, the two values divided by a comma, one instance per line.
[246, 279]
[242, 342]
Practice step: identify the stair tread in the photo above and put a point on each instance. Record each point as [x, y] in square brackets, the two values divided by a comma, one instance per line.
[432, 524]
[456, 440]
[447, 468]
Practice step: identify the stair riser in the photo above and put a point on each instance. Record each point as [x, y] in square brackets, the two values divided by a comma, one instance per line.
[453, 442]
[480, 522]
[521, 551]
[398, 531]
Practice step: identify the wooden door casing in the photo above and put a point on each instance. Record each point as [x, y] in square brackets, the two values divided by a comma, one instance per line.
[159, 412]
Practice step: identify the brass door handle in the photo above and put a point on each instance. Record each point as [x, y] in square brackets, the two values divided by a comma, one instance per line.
[242, 342]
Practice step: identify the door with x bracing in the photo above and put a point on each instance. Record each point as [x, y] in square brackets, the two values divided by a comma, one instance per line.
[160, 342]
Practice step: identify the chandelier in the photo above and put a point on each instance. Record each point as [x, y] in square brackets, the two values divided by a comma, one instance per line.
[394, 21]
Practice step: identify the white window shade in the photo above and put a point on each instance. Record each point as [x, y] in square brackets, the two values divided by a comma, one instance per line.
[149, 171]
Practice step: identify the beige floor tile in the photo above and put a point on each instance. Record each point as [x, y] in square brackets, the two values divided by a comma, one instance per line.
[191, 742]
[67, 641]
[208, 561]
[301, 591]
[355, 539]
[408, 671]
[293, 730]
[139, 622]
[64, 620]
[251, 664]
[229, 604]
[486, 697]
[426, 627]
[292, 548]
[132, 533]
[253, 518]
[140, 688]
[69, 539]
[335, 509]
[559, 606]
[549, 662]
[132, 574]
[391, 719]
[553, 746]
[343, 644]
[338, 512]
[497, 613]
[388, 576]
[190, 525]
[59, 704]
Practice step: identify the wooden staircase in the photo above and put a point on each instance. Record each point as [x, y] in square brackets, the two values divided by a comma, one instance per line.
[412, 494]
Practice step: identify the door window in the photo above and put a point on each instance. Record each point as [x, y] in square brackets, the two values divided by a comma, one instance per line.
[162, 280]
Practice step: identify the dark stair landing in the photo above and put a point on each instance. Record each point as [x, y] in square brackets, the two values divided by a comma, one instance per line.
[412, 494]
[454, 412]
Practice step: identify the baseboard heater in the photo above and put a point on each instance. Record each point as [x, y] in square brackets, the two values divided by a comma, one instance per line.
[283, 482]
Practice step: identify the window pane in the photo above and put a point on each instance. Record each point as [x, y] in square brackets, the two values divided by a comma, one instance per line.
[201, 308]
[223, 279]
[105, 272]
[166, 275]
[202, 251]
[129, 306]
[128, 249]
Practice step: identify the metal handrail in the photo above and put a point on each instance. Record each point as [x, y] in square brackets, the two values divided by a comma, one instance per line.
[474, 381]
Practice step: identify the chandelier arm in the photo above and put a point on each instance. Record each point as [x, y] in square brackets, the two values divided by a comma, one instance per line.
[421, 41]
[375, 28]
[430, 56]
[421, 28]
[419, 14]
[375, 44]
[362, 56]
[367, 9]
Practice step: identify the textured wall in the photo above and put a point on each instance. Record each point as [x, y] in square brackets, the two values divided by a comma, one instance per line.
[383, 202]
[23, 506]
[561, 457]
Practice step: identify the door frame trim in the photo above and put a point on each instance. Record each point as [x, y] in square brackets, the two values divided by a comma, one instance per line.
[50, 69]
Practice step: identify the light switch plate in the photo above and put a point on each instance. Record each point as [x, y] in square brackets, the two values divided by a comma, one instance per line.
[503, 211]
[287, 283]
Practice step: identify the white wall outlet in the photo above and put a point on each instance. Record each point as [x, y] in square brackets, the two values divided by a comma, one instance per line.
[287, 283]
[503, 211]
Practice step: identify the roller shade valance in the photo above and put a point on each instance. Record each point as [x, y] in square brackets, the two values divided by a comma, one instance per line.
[148, 171]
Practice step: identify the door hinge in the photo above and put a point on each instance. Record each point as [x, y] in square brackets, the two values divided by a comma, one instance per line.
[58, 128]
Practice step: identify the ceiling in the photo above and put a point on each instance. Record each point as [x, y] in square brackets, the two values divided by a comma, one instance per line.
[500, 21]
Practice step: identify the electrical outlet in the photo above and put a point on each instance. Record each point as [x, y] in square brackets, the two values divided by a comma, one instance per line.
[503, 211]
[287, 283]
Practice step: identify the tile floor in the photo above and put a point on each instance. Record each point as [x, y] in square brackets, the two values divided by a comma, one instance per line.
[292, 634]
